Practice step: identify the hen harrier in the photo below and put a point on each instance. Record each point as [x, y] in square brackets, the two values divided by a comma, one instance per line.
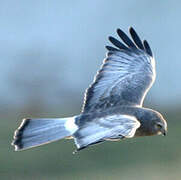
[112, 108]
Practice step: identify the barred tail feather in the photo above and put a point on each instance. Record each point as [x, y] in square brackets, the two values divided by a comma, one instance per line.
[35, 132]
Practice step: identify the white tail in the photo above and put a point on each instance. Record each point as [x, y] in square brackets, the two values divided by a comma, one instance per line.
[35, 132]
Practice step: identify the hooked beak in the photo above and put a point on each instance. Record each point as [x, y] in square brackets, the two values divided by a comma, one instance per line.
[163, 131]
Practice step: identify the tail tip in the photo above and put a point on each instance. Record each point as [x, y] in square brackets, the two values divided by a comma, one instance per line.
[17, 139]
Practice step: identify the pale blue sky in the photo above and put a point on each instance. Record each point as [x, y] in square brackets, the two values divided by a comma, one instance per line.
[71, 35]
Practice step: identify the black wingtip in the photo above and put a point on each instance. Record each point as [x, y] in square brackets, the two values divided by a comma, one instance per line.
[136, 38]
[130, 28]
[117, 43]
[17, 139]
[147, 48]
[134, 43]
[110, 48]
[125, 38]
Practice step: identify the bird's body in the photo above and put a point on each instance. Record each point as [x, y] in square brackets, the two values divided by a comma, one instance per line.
[111, 117]
[112, 108]
[143, 115]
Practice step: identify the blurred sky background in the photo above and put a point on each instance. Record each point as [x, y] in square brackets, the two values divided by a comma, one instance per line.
[50, 51]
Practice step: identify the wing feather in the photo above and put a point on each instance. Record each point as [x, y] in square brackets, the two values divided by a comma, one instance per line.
[109, 48]
[110, 127]
[117, 43]
[125, 77]
[147, 48]
[125, 38]
[136, 38]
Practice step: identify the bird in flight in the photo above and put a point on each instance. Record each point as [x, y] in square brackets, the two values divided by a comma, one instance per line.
[113, 103]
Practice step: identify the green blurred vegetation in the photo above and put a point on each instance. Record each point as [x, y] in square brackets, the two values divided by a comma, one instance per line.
[148, 158]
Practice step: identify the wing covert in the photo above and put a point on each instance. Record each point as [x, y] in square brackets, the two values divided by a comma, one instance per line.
[127, 73]
[109, 127]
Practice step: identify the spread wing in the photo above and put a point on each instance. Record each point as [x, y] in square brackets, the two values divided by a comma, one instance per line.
[125, 77]
[110, 127]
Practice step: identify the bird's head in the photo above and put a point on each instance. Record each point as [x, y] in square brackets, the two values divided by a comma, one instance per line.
[152, 123]
[159, 124]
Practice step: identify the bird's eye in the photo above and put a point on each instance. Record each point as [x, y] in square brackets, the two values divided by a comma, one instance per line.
[159, 126]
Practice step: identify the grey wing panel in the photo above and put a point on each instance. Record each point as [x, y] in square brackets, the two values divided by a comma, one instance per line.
[109, 127]
[125, 77]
